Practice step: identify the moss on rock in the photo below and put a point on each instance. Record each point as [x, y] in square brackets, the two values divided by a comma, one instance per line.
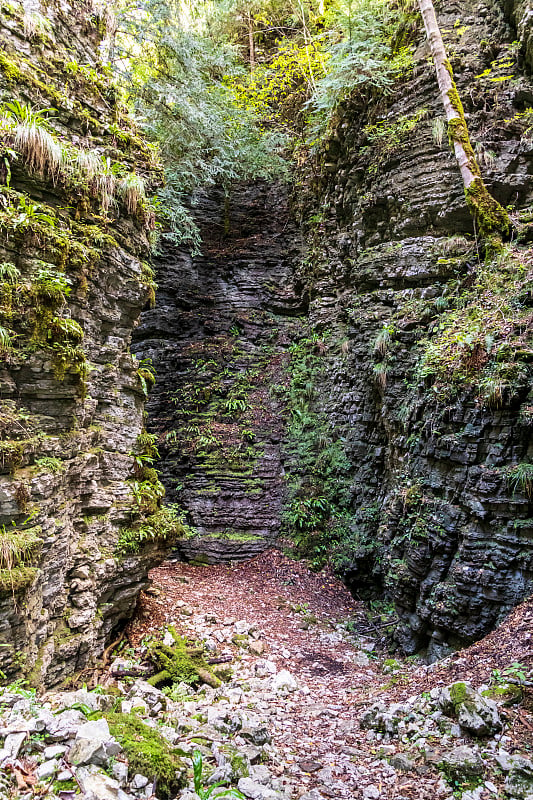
[148, 753]
[180, 663]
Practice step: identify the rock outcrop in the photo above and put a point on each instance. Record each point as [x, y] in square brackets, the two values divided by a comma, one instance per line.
[218, 339]
[438, 476]
[74, 226]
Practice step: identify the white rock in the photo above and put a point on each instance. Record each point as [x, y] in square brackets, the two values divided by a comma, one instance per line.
[168, 639]
[12, 745]
[96, 785]
[263, 668]
[284, 681]
[47, 769]
[139, 781]
[242, 627]
[120, 771]
[54, 751]
[256, 791]
[371, 792]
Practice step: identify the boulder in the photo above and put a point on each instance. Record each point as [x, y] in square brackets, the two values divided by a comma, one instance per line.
[47, 769]
[462, 764]
[96, 785]
[93, 744]
[519, 781]
[476, 714]
[284, 682]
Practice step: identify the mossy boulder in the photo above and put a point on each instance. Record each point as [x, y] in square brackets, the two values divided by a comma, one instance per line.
[519, 782]
[476, 714]
[462, 764]
[148, 753]
[180, 662]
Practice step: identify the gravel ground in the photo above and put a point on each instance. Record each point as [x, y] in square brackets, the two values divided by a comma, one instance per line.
[302, 619]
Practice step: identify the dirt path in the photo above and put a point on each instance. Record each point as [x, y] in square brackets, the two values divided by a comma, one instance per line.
[302, 619]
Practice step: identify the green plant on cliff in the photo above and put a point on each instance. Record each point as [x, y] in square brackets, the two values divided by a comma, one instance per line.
[33, 139]
[165, 525]
[175, 78]
[482, 340]
[318, 495]
[520, 476]
[18, 548]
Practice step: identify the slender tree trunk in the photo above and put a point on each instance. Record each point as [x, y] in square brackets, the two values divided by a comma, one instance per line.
[489, 215]
[251, 43]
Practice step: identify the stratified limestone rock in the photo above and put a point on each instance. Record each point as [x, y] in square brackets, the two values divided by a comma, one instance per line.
[218, 339]
[435, 523]
[71, 401]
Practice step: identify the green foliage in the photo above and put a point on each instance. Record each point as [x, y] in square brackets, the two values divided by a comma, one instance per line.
[482, 340]
[516, 672]
[148, 753]
[520, 476]
[363, 60]
[318, 494]
[47, 464]
[386, 137]
[175, 78]
[9, 272]
[6, 338]
[166, 525]
[146, 375]
[357, 540]
[18, 547]
[51, 284]
[17, 579]
[147, 494]
[180, 662]
[204, 792]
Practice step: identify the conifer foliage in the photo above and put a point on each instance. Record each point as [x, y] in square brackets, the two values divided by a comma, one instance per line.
[180, 83]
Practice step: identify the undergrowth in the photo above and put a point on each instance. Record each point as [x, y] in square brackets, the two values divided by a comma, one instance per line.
[484, 339]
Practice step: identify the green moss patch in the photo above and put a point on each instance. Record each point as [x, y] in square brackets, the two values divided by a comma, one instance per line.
[148, 753]
[16, 580]
[180, 663]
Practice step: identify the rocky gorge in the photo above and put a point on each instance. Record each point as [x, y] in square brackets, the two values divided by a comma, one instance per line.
[342, 371]
[402, 440]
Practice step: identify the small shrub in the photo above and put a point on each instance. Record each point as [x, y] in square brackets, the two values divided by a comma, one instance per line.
[438, 130]
[8, 272]
[165, 525]
[521, 477]
[17, 547]
[47, 464]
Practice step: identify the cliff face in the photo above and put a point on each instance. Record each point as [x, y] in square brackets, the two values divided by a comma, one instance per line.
[218, 339]
[372, 398]
[74, 226]
[430, 394]
[387, 424]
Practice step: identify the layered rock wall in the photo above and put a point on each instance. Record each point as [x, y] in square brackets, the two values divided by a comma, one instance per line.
[440, 524]
[218, 339]
[72, 285]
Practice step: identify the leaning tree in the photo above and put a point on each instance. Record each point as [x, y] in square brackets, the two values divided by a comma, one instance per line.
[491, 219]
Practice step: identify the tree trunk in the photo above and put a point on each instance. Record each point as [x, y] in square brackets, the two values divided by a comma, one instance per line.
[489, 215]
[251, 44]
